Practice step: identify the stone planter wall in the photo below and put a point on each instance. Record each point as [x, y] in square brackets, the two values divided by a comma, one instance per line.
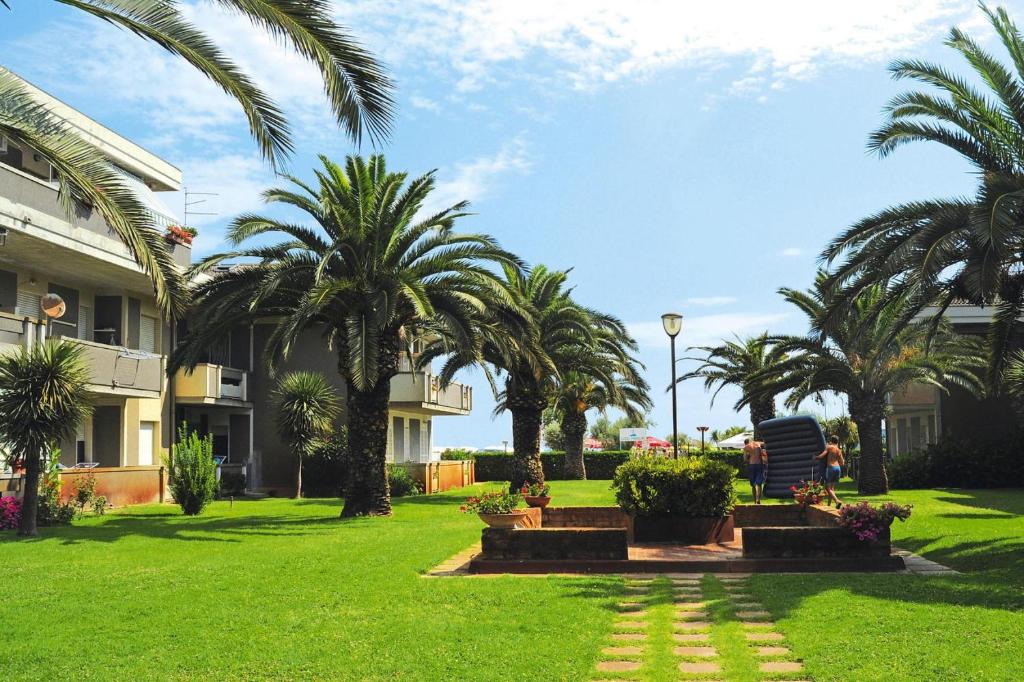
[554, 543]
[809, 541]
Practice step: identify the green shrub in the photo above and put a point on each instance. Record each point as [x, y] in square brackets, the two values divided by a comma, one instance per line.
[324, 470]
[401, 482]
[733, 458]
[497, 466]
[51, 511]
[687, 487]
[956, 463]
[192, 471]
[455, 454]
[232, 483]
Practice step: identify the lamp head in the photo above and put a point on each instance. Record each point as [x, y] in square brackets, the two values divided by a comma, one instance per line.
[673, 323]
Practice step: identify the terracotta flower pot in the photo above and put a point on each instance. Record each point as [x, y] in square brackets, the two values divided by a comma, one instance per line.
[509, 520]
[540, 501]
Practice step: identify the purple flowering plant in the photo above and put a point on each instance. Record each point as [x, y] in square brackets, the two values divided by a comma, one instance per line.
[10, 513]
[868, 523]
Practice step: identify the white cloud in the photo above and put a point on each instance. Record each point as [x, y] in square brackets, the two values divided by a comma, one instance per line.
[420, 102]
[710, 301]
[792, 252]
[706, 330]
[473, 180]
[590, 42]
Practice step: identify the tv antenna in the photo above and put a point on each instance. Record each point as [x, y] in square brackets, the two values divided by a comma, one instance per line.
[195, 202]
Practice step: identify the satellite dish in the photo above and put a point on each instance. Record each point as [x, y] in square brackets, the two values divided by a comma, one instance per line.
[53, 305]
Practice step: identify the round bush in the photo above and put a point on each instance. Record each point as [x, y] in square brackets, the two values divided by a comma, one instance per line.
[690, 487]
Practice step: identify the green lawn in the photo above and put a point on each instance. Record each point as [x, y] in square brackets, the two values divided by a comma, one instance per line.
[283, 589]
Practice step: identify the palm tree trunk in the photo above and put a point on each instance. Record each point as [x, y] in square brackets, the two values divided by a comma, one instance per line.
[527, 417]
[574, 428]
[298, 478]
[867, 414]
[367, 492]
[761, 410]
[30, 499]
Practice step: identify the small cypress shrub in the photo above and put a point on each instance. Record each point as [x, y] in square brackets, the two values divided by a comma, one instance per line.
[193, 471]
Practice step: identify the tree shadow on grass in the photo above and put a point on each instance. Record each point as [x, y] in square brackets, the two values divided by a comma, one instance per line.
[219, 529]
[998, 587]
[1006, 500]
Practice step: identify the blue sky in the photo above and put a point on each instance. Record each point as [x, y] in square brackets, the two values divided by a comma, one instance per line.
[677, 157]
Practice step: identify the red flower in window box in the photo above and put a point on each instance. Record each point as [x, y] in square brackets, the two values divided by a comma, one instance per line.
[181, 235]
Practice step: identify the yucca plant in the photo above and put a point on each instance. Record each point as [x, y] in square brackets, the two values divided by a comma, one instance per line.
[371, 278]
[307, 407]
[43, 399]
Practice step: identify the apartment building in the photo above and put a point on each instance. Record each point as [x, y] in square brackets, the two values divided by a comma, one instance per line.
[920, 414]
[111, 313]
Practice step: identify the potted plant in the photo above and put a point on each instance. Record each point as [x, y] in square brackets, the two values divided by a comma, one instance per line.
[808, 493]
[181, 235]
[677, 500]
[498, 509]
[871, 524]
[536, 494]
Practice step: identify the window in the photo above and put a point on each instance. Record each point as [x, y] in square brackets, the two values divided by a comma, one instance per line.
[148, 330]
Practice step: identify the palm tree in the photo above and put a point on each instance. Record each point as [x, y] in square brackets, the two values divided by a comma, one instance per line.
[518, 340]
[372, 276]
[968, 248]
[739, 363]
[306, 409]
[867, 355]
[599, 373]
[43, 399]
[357, 88]
[718, 435]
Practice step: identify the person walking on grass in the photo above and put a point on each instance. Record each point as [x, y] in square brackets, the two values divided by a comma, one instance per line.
[756, 458]
[834, 462]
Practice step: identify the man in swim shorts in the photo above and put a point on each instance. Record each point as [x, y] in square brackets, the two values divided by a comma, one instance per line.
[756, 458]
[834, 462]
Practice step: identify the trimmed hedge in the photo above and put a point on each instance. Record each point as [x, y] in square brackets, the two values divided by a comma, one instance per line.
[955, 463]
[601, 464]
[691, 487]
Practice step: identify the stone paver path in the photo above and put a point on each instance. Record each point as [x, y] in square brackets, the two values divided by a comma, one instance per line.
[702, 629]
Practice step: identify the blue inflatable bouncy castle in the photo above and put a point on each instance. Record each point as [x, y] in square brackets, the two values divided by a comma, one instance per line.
[792, 444]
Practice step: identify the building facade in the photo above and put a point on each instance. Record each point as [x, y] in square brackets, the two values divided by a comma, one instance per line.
[920, 414]
[112, 314]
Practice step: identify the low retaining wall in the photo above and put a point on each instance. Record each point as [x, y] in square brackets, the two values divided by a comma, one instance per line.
[810, 541]
[587, 517]
[120, 485]
[554, 543]
[790, 531]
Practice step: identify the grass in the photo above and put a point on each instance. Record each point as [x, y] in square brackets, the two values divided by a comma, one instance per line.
[284, 589]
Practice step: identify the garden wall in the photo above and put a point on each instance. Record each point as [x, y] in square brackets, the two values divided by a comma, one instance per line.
[435, 477]
[120, 485]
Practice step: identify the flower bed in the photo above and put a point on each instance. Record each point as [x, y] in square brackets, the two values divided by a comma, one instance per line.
[869, 523]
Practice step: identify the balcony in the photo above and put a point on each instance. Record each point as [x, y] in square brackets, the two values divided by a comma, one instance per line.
[23, 189]
[209, 384]
[422, 392]
[113, 370]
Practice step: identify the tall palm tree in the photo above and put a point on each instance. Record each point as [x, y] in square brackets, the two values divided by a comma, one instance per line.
[969, 248]
[371, 276]
[307, 406]
[356, 86]
[869, 354]
[43, 399]
[739, 363]
[599, 374]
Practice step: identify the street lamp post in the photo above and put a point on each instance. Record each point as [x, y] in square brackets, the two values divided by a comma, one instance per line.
[702, 429]
[673, 324]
